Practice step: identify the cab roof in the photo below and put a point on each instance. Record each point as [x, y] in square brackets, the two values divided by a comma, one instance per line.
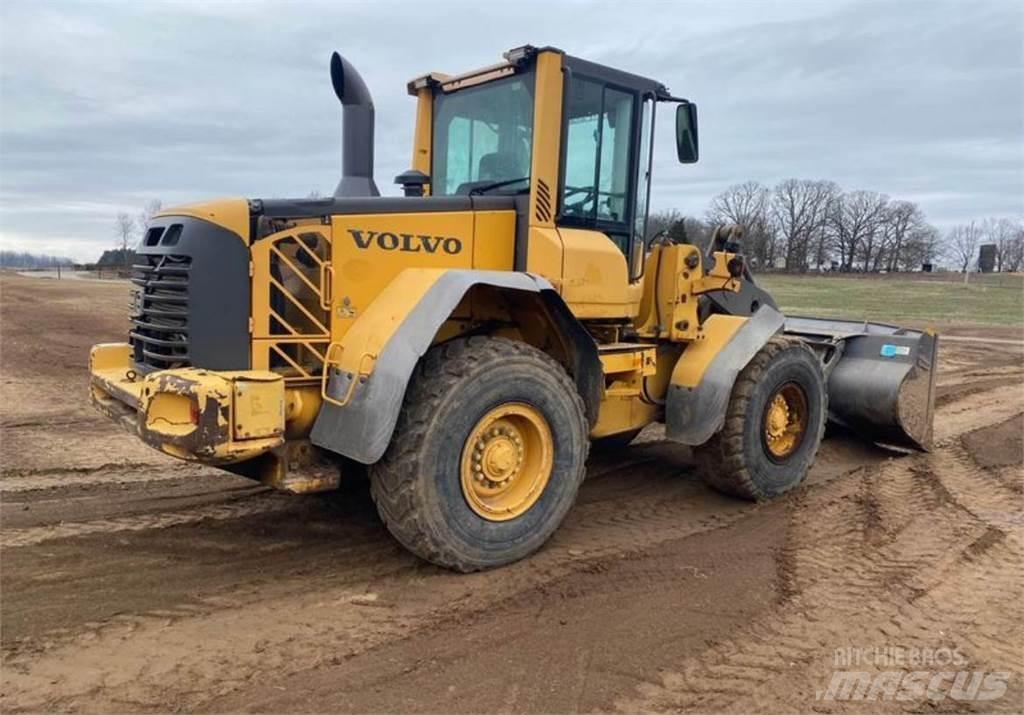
[518, 57]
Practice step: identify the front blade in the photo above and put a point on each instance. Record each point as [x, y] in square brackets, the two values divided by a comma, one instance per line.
[881, 378]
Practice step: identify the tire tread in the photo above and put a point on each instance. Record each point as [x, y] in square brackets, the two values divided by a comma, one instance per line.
[395, 480]
[720, 461]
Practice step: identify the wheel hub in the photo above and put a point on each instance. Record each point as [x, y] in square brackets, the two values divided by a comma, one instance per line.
[507, 461]
[497, 456]
[785, 421]
[778, 418]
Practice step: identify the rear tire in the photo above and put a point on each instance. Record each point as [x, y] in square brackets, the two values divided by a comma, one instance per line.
[479, 409]
[773, 424]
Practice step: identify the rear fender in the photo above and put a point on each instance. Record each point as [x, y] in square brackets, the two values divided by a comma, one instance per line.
[370, 368]
[703, 377]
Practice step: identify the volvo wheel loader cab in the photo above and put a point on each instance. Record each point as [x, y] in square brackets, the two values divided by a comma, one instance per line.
[468, 340]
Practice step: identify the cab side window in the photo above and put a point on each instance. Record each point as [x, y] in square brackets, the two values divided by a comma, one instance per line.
[598, 155]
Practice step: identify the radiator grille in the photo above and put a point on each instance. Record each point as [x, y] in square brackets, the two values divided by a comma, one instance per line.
[159, 315]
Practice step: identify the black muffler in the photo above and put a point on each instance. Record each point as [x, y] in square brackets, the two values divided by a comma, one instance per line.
[356, 130]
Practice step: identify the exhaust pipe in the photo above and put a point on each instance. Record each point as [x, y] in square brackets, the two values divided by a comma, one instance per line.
[356, 131]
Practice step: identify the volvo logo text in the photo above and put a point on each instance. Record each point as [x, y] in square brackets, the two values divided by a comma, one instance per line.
[412, 243]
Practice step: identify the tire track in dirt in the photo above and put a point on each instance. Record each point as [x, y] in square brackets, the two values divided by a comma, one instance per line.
[6, 474]
[647, 506]
[39, 480]
[868, 566]
[244, 506]
[959, 417]
[29, 423]
[975, 411]
[982, 341]
[949, 393]
[983, 372]
[221, 646]
[986, 494]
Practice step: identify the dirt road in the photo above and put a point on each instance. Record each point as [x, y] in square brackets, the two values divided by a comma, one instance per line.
[133, 583]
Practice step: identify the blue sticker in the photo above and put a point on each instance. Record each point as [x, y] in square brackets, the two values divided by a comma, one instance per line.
[894, 350]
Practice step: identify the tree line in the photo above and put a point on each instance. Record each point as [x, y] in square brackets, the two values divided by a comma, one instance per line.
[24, 259]
[809, 224]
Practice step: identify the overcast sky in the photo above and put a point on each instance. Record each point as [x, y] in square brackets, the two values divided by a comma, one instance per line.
[108, 105]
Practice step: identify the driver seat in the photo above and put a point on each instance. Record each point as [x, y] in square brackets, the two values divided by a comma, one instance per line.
[498, 166]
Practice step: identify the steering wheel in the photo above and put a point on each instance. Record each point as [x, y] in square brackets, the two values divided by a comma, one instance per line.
[577, 206]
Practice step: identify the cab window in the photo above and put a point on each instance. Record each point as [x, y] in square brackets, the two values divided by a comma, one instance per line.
[598, 157]
[483, 135]
[643, 170]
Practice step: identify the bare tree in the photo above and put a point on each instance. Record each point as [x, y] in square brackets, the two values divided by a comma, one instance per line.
[798, 209]
[855, 222]
[145, 217]
[684, 229]
[899, 224]
[660, 221]
[824, 235]
[690, 230]
[962, 243]
[747, 205]
[125, 231]
[1013, 254]
[874, 209]
[921, 245]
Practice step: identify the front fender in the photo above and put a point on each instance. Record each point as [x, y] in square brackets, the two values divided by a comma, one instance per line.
[702, 379]
[366, 385]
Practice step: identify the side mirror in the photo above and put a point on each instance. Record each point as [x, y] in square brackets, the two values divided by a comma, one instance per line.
[686, 132]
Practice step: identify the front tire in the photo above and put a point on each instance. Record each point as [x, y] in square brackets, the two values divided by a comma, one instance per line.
[487, 456]
[773, 425]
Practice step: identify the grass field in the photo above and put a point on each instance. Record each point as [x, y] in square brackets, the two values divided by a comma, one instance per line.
[991, 300]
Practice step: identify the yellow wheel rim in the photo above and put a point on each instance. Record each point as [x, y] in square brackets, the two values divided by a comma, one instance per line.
[785, 421]
[506, 462]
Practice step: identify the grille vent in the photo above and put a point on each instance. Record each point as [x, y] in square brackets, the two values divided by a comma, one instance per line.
[159, 313]
[543, 212]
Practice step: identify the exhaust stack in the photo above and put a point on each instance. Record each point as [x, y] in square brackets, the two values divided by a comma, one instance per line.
[356, 131]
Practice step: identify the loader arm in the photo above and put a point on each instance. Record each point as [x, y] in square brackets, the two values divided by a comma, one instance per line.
[880, 378]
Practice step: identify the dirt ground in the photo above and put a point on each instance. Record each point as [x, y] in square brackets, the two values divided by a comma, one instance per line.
[133, 583]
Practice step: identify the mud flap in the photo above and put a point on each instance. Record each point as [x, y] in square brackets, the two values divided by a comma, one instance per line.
[881, 378]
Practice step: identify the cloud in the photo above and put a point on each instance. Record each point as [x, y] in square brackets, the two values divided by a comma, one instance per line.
[105, 105]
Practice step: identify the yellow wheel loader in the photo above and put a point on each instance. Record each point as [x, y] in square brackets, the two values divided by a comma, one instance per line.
[468, 340]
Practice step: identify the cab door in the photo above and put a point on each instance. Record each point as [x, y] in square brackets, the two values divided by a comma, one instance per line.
[603, 196]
